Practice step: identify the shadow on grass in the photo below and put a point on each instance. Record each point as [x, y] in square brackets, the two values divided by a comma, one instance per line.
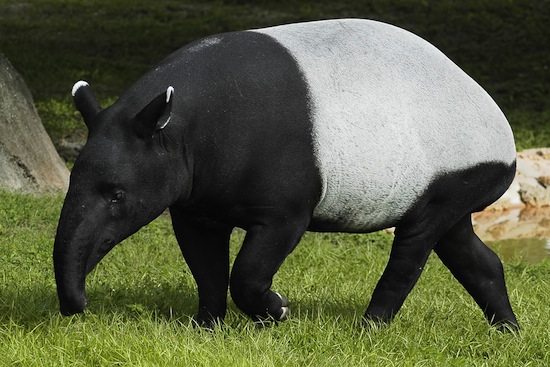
[346, 313]
[167, 301]
[30, 307]
[27, 307]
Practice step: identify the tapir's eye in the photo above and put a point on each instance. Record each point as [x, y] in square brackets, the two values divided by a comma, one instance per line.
[118, 196]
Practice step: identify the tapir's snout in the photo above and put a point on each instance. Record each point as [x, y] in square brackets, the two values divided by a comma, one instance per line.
[70, 277]
[73, 245]
[74, 259]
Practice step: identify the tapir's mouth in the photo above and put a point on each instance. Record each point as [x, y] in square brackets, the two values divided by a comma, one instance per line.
[99, 251]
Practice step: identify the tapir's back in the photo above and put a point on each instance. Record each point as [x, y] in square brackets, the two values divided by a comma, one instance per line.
[390, 114]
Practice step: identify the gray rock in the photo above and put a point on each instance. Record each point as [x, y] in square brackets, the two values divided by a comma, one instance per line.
[28, 159]
[531, 186]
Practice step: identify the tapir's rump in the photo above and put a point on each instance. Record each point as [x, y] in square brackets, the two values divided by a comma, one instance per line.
[390, 113]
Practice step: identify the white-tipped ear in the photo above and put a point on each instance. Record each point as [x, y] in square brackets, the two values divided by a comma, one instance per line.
[164, 124]
[156, 115]
[169, 93]
[85, 101]
[78, 85]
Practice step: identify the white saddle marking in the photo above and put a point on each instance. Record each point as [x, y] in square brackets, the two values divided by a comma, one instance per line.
[390, 112]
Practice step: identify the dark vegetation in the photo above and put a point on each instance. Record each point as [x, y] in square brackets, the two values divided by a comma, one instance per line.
[503, 44]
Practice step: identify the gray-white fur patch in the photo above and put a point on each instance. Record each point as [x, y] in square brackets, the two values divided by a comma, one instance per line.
[390, 113]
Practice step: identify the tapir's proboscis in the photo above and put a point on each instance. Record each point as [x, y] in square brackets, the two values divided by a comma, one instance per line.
[331, 126]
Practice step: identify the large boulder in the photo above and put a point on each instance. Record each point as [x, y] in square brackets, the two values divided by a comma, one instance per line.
[28, 159]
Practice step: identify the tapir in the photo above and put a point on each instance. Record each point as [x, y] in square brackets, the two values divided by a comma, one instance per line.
[332, 126]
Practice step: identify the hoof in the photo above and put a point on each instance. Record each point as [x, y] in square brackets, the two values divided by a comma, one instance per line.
[372, 322]
[285, 308]
[208, 324]
[274, 317]
[507, 327]
[206, 320]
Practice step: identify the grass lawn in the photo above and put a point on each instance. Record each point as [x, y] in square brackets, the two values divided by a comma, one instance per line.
[142, 295]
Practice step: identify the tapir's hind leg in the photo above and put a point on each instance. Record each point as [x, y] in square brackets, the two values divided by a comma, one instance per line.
[441, 221]
[409, 253]
[479, 270]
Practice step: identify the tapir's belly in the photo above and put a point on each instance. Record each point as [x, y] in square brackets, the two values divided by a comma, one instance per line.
[389, 113]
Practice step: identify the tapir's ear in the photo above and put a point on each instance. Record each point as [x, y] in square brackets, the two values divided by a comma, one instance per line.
[156, 115]
[85, 101]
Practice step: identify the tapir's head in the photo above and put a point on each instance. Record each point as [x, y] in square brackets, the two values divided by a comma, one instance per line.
[126, 175]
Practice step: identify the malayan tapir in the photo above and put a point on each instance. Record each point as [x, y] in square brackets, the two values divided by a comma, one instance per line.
[338, 126]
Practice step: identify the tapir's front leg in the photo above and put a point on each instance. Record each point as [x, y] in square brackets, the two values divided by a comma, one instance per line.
[206, 251]
[264, 250]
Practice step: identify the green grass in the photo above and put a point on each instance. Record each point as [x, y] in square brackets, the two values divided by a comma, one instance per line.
[142, 297]
[503, 44]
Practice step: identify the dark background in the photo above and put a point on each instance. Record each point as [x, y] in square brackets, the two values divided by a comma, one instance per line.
[502, 44]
